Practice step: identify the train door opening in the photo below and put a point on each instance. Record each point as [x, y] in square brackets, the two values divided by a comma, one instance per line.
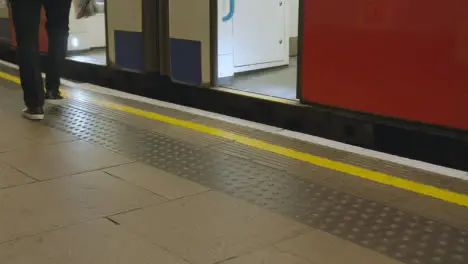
[257, 46]
[87, 40]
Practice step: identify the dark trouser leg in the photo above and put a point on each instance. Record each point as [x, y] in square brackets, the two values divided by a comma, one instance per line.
[26, 19]
[57, 12]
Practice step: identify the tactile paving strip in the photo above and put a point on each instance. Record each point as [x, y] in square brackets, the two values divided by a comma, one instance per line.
[400, 235]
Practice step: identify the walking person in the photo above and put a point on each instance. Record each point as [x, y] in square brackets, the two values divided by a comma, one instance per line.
[26, 19]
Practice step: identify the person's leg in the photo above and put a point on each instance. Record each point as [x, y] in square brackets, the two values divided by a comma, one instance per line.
[57, 12]
[26, 18]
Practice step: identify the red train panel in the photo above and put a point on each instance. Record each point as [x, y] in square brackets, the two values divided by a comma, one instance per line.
[400, 58]
[43, 42]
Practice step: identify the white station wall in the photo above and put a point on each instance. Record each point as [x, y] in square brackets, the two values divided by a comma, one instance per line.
[226, 41]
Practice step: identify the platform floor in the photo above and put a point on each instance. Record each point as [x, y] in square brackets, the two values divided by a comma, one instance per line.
[111, 180]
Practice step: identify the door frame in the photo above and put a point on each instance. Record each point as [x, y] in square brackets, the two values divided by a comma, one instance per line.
[164, 46]
[108, 62]
[151, 33]
[300, 49]
[214, 47]
[214, 43]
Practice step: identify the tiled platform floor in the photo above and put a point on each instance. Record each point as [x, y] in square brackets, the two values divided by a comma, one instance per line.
[69, 194]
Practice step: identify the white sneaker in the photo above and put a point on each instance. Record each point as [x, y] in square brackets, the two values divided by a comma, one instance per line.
[33, 113]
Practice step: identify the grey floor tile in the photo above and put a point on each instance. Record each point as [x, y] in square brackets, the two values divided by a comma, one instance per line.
[20, 133]
[97, 242]
[34, 208]
[319, 247]
[157, 181]
[53, 161]
[10, 177]
[269, 256]
[210, 227]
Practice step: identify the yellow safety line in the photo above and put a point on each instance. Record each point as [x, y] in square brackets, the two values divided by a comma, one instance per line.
[13, 78]
[417, 187]
[10, 77]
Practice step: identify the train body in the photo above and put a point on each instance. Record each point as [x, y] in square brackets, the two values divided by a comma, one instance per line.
[404, 59]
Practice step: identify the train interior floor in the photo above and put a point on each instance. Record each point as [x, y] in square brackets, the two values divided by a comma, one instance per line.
[93, 56]
[277, 82]
[113, 178]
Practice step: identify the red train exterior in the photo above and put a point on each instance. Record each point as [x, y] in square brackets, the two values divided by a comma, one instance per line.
[398, 58]
[43, 42]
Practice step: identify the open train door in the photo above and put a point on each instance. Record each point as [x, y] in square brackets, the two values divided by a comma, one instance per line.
[190, 38]
[133, 35]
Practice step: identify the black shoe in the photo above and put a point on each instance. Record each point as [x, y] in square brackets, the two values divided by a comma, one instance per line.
[36, 113]
[53, 95]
